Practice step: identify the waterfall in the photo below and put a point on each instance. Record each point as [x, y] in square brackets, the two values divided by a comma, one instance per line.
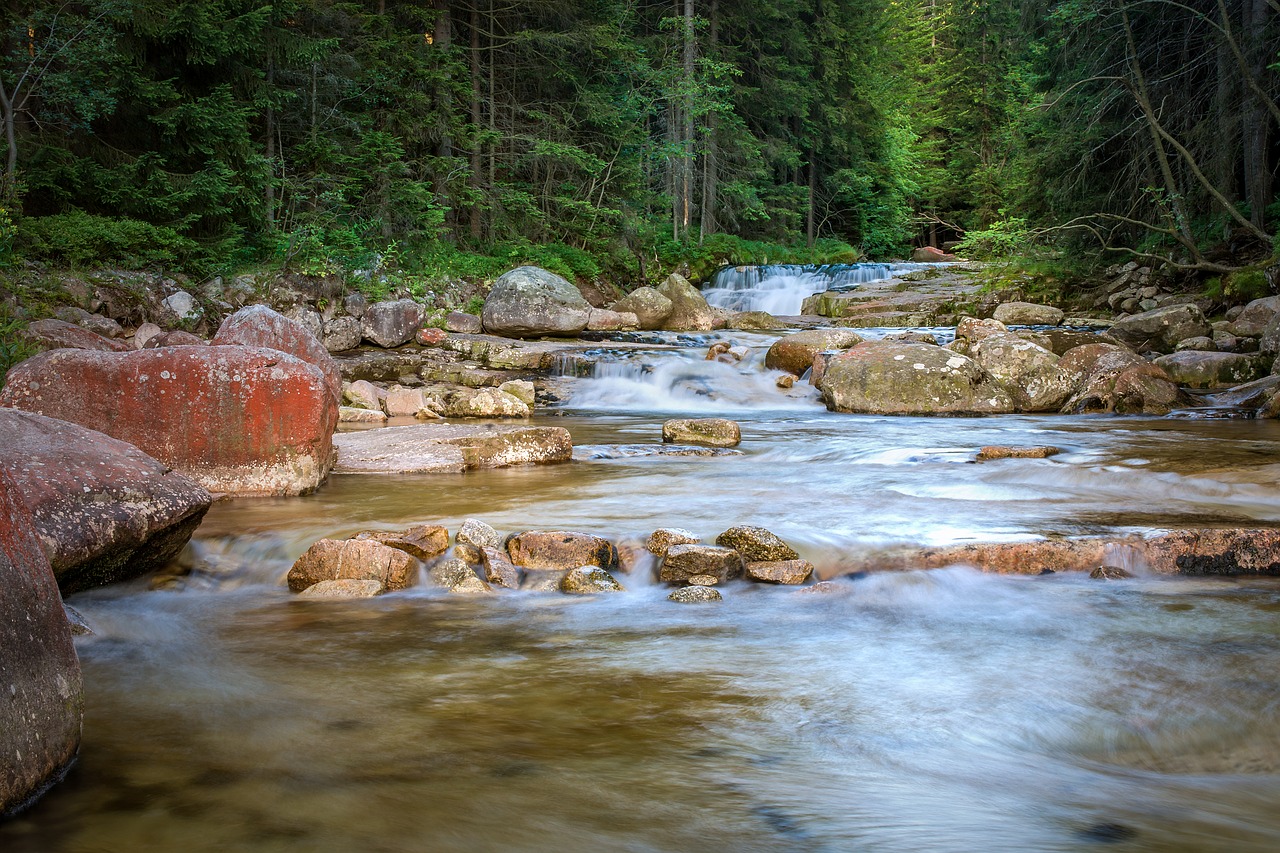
[780, 289]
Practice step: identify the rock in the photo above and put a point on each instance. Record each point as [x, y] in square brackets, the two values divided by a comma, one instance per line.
[685, 561]
[589, 580]
[345, 588]
[363, 394]
[144, 333]
[590, 452]
[912, 337]
[786, 380]
[76, 622]
[96, 323]
[485, 403]
[467, 554]
[343, 333]
[444, 448]
[754, 321]
[756, 544]
[182, 307]
[353, 559]
[477, 534]
[391, 324]
[560, 550]
[1029, 372]
[1112, 379]
[794, 353]
[910, 379]
[234, 419]
[931, 255]
[407, 403]
[1213, 551]
[970, 330]
[498, 569]
[41, 702]
[791, 572]
[704, 580]
[716, 432]
[695, 595]
[548, 581]
[456, 576]
[1211, 369]
[1269, 343]
[602, 320]
[431, 336]
[1109, 573]
[689, 310]
[664, 537]
[59, 334]
[1251, 395]
[104, 510]
[1003, 451]
[1063, 340]
[1255, 317]
[530, 302]
[1201, 344]
[649, 306]
[1027, 314]
[175, 338]
[1162, 328]
[306, 317]
[259, 326]
[355, 304]
[463, 324]
[521, 389]
[352, 415]
[422, 542]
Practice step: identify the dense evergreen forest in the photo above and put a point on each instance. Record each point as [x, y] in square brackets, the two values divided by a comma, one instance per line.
[613, 136]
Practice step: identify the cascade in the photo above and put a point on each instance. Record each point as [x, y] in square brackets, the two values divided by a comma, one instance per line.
[780, 289]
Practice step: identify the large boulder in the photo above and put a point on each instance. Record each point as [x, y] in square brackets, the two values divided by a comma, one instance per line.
[391, 324]
[59, 334]
[601, 320]
[689, 310]
[1161, 328]
[1029, 372]
[1027, 314]
[1256, 316]
[259, 326]
[879, 377]
[104, 510]
[353, 559]
[650, 307]
[343, 333]
[1109, 378]
[794, 353]
[530, 302]
[237, 420]
[1212, 369]
[41, 703]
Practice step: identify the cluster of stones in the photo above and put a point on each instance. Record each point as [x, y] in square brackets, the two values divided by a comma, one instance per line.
[365, 402]
[480, 562]
[1141, 364]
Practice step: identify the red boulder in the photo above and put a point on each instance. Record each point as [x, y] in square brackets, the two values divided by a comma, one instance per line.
[259, 326]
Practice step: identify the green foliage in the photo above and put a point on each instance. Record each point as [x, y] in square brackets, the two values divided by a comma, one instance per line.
[1246, 285]
[474, 305]
[13, 346]
[1002, 239]
[79, 239]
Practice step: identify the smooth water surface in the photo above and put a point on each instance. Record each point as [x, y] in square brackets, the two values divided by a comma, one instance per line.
[939, 711]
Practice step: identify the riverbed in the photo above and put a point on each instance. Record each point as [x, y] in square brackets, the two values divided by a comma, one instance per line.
[943, 710]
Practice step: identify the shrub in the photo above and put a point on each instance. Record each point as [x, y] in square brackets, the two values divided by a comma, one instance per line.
[79, 239]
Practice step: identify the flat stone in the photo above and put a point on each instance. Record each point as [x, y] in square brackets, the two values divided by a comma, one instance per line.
[717, 432]
[423, 541]
[664, 537]
[345, 588]
[352, 415]
[445, 448]
[695, 595]
[590, 452]
[790, 572]
[1004, 451]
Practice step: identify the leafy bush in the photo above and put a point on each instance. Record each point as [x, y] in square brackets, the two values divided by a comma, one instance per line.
[1005, 237]
[79, 239]
[13, 346]
[1246, 285]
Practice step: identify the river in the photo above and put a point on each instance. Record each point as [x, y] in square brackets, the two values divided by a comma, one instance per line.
[903, 711]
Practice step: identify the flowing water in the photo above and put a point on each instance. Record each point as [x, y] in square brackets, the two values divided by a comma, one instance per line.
[781, 289]
[903, 711]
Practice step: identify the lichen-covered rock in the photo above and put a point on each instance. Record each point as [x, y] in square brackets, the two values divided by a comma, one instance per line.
[104, 510]
[787, 572]
[1162, 328]
[970, 330]
[664, 537]
[1109, 378]
[459, 322]
[259, 326]
[1212, 369]
[407, 403]
[343, 333]
[530, 302]
[391, 324]
[649, 306]
[589, 580]
[345, 588]
[689, 309]
[521, 389]
[1253, 320]
[603, 320]
[352, 415]
[477, 534]
[484, 403]
[422, 541]
[1029, 372]
[238, 420]
[756, 544]
[1269, 342]
[457, 577]
[41, 702]
[353, 559]
[715, 432]
[59, 334]
[540, 550]
[694, 595]
[910, 379]
[1027, 314]
[363, 394]
[794, 353]
[685, 561]
[754, 321]
[1203, 344]
[498, 568]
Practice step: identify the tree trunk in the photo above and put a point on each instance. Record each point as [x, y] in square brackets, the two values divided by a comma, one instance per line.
[1227, 120]
[813, 191]
[269, 192]
[1254, 119]
[442, 38]
[476, 153]
[709, 152]
[686, 170]
[8, 114]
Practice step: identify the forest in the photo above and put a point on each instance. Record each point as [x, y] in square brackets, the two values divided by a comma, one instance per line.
[616, 137]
